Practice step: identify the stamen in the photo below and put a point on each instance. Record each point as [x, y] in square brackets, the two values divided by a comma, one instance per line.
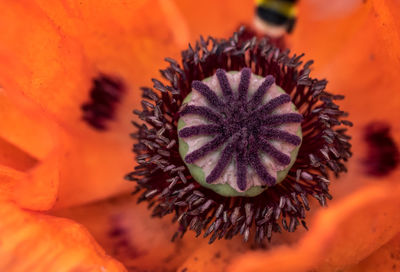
[225, 141]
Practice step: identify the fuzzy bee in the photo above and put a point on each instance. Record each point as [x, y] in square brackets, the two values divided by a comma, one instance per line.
[275, 17]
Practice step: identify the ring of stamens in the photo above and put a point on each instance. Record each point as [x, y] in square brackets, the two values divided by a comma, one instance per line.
[241, 123]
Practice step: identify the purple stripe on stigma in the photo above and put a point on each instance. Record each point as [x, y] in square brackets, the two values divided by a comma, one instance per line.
[224, 84]
[199, 130]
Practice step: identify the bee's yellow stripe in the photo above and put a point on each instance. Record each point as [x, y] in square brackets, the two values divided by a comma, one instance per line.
[285, 8]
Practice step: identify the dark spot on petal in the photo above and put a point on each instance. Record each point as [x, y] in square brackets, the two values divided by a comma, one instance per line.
[122, 247]
[105, 94]
[116, 232]
[372, 57]
[382, 154]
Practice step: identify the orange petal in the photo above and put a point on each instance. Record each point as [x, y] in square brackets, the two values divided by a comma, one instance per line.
[387, 258]
[29, 172]
[34, 242]
[31, 140]
[365, 70]
[26, 128]
[216, 18]
[51, 52]
[40, 62]
[358, 51]
[341, 235]
[357, 225]
[52, 62]
[129, 234]
[359, 54]
[14, 157]
[215, 257]
[323, 31]
[52, 65]
[36, 189]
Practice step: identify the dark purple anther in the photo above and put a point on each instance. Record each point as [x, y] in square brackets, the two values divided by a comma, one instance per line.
[230, 138]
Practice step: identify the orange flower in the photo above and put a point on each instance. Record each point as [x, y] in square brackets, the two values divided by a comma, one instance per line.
[53, 165]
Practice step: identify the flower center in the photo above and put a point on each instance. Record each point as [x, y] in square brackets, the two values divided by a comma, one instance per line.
[236, 131]
[239, 133]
